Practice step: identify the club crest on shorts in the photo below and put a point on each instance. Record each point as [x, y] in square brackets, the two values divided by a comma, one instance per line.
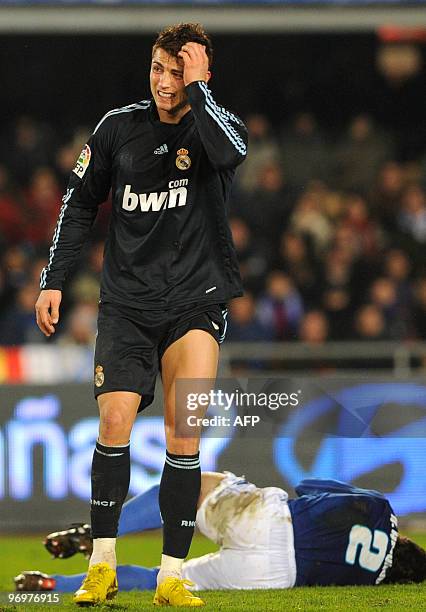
[83, 161]
[183, 161]
[99, 376]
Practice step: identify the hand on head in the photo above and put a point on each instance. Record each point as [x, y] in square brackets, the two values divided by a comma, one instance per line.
[195, 61]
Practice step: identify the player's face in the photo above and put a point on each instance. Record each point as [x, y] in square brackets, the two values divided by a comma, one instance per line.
[167, 86]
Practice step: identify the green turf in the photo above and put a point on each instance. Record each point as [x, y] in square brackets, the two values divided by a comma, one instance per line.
[20, 553]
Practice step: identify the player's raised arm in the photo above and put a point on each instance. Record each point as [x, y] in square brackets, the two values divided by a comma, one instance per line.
[223, 134]
[88, 187]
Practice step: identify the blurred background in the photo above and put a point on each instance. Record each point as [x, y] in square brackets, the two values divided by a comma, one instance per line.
[328, 216]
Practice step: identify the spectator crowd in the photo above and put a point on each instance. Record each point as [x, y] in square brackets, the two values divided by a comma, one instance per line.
[330, 232]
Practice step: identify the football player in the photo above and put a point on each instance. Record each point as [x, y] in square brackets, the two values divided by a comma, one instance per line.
[332, 534]
[169, 269]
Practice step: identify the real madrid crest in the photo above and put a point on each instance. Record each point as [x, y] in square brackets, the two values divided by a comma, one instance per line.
[99, 376]
[183, 161]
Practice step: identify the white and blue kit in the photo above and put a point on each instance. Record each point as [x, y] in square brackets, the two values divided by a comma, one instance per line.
[332, 534]
[342, 534]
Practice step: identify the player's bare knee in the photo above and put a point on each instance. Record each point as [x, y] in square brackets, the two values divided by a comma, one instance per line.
[114, 428]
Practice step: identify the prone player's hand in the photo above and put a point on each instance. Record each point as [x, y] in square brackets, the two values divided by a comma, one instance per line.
[47, 310]
[195, 62]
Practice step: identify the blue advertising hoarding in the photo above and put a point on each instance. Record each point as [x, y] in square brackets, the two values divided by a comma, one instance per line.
[47, 435]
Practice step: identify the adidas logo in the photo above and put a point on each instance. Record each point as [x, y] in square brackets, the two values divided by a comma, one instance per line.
[161, 150]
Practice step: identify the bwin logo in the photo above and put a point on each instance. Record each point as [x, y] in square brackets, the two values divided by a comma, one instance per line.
[187, 524]
[176, 196]
[97, 502]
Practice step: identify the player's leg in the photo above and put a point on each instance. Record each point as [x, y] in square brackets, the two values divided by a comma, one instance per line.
[126, 365]
[111, 471]
[130, 577]
[192, 356]
[138, 514]
[110, 485]
[142, 512]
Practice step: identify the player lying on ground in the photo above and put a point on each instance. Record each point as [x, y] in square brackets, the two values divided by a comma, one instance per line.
[332, 534]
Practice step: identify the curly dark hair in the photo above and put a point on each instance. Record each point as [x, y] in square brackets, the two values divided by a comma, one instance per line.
[409, 563]
[172, 38]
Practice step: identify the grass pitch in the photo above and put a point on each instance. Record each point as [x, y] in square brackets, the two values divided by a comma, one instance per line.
[19, 553]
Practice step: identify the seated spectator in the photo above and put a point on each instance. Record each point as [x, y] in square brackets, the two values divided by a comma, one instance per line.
[296, 260]
[15, 263]
[244, 324]
[268, 209]
[398, 266]
[13, 213]
[309, 219]
[360, 155]
[29, 149]
[370, 323]
[314, 328]
[338, 268]
[81, 325]
[346, 242]
[412, 217]
[333, 203]
[281, 306]
[4, 297]
[251, 260]
[305, 153]
[18, 325]
[419, 312]
[336, 302]
[386, 196]
[37, 264]
[44, 201]
[383, 294]
[365, 232]
[262, 150]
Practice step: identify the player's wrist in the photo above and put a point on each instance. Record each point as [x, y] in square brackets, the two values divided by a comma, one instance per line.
[195, 81]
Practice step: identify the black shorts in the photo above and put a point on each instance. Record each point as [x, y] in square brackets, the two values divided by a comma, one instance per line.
[130, 343]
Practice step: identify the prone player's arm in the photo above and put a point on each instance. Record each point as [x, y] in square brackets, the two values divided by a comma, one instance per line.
[223, 134]
[88, 186]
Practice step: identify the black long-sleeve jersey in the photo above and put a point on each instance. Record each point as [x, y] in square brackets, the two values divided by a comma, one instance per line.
[169, 242]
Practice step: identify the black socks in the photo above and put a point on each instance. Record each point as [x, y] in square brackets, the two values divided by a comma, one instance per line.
[110, 485]
[179, 491]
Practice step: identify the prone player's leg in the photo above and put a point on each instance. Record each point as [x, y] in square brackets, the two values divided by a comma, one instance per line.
[130, 577]
[139, 513]
[192, 356]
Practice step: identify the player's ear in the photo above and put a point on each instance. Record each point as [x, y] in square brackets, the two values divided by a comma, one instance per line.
[208, 75]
